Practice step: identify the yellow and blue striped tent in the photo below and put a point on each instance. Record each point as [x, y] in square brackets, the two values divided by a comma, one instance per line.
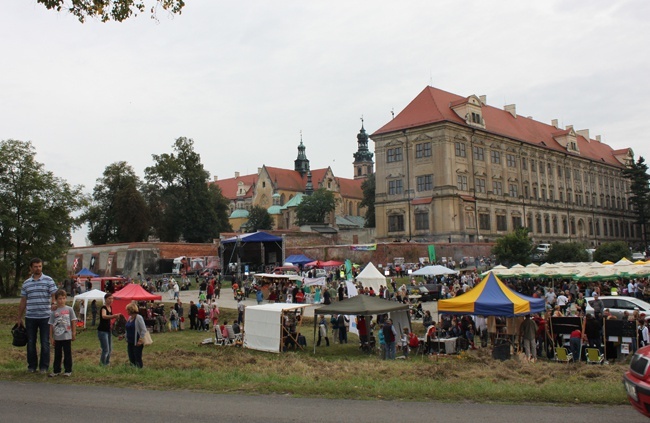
[491, 297]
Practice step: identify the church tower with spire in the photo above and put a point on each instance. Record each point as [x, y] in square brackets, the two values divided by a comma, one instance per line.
[363, 164]
[301, 164]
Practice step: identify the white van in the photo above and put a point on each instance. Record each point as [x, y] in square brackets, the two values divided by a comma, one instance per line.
[543, 248]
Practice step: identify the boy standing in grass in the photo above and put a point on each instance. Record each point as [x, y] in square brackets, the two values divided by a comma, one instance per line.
[63, 330]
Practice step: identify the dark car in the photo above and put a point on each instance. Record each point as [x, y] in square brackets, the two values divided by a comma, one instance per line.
[434, 291]
[421, 293]
[637, 381]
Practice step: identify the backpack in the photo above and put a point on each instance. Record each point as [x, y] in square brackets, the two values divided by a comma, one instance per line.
[333, 321]
[173, 315]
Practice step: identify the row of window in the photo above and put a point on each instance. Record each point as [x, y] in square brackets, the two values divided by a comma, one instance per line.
[396, 222]
[396, 154]
[542, 225]
[543, 167]
[422, 183]
[513, 191]
[549, 225]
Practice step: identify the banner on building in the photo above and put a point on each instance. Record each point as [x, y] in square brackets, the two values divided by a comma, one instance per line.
[363, 247]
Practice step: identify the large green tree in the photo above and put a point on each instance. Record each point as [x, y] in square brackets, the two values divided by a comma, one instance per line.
[612, 251]
[368, 187]
[36, 214]
[118, 212]
[258, 219]
[639, 199]
[113, 10]
[567, 252]
[314, 208]
[182, 203]
[514, 248]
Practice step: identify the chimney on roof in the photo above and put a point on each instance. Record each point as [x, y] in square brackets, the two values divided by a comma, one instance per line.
[568, 127]
[598, 138]
[554, 123]
[259, 170]
[511, 108]
[236, 174]
[584, 133]
[216, 178]
[483, 99]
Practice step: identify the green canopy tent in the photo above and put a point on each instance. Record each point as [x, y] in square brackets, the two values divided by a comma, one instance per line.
[359, 305]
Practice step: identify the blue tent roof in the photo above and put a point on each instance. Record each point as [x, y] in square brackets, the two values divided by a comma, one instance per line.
[254, 237]
[86, 272]
[298, 259]
[491, 297]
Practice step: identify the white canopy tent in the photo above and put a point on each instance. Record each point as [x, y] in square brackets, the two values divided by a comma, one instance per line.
[434, 270]
[264, 326]
[371, 277]
[88, 297]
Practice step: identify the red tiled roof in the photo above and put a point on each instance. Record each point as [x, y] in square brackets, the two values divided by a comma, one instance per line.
[468, 198]
[286, 179]
[417, 201]
[433, 105]
[351, 188]
[229, 186]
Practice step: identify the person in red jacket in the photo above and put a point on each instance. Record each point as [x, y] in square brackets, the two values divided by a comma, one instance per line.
[201, 318]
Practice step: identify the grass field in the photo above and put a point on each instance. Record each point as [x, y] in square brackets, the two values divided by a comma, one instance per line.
[176, 361]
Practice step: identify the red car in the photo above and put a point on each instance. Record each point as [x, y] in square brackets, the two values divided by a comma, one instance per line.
[637, 381]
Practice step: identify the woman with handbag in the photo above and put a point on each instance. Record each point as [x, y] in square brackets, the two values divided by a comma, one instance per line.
[136, 332]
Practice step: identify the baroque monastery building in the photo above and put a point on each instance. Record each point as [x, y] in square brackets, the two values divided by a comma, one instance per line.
[280, 191]
[452, 168]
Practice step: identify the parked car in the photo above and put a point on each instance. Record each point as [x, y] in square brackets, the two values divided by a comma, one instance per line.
[619, 304]
[434, 291]
[637, 381]
[638, 256]
[423, 292]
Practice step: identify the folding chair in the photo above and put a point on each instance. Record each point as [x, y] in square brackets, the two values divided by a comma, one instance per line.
[594, 356]
[218, 338]
[231, 334]
[563, 355]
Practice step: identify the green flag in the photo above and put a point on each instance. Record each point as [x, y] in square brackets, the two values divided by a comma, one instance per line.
[432, 254]
[348, 269]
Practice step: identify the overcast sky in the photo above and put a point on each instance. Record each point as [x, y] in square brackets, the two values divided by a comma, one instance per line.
[244, 78]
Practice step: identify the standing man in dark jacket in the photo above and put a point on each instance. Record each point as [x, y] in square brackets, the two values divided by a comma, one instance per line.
[327, 297]
[390, 336]
[194, 311]
[343, 334]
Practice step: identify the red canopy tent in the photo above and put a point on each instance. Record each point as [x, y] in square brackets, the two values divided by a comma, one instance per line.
[131, 292]
[321, 264]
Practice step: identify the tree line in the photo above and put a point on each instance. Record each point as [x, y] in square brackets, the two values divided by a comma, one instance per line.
[38, 210]
[174, 202]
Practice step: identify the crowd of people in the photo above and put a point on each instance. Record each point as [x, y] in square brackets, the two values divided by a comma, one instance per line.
[49, 320]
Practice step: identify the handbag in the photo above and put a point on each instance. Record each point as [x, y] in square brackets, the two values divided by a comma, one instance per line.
[19, 334]
[119, 327]
[146, 339]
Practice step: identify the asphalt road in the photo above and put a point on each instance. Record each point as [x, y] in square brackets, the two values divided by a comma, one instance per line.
[61, 401]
